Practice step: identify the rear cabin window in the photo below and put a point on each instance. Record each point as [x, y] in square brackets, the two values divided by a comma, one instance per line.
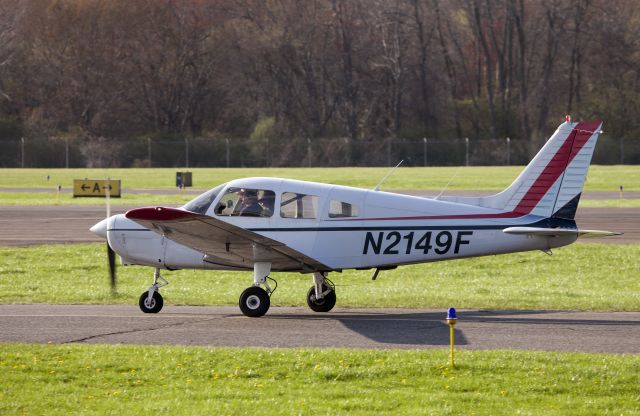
[245, 202]
[299, 206]
[339, 209]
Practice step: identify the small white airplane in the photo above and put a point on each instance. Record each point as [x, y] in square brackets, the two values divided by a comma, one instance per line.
[272, 225]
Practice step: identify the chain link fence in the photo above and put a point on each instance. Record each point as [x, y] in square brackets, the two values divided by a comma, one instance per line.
[240, 152]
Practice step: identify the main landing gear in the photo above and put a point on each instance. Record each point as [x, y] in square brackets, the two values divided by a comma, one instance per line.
[321, 297]
[151, 300]
[255, 300]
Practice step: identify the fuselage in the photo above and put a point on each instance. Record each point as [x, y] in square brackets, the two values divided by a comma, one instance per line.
[342, 227]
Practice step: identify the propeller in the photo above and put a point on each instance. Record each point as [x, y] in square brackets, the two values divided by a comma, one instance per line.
[111, 255]
[102, 230]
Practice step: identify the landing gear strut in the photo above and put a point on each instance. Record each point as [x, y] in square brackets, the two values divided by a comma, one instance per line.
[321, 297]
[255, 301]
[151, 300]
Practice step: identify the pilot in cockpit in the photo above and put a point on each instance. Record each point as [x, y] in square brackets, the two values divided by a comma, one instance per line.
[248, 203]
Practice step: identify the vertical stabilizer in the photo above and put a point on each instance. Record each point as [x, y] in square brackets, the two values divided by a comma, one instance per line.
[552, 182]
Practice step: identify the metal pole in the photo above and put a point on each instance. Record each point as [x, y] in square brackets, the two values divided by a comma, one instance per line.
[452, 337]
[466, 150]
[186, 152]
[389, 152]
[347, 151]
[622, 150]
[508, 151]
[66, 152]
[149, 150]
[22, 151]
[309, 152]
[451, 320]
[228, 151]
[268, 153]
[107, 191]
[424, 139]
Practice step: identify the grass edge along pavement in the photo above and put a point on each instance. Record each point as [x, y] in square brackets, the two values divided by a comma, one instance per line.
[482, 178]
[597, 277]
[111, 379]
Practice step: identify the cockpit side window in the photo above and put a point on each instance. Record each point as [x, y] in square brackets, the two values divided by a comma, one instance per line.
[246, 202]
[339, 209]
[202, 203]
[295, 205]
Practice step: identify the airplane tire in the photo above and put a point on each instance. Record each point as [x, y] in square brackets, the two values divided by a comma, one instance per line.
[154, 306]
[254, 302]
[325, 304]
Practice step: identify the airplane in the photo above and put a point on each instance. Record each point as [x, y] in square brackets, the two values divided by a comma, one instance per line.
[270, 225]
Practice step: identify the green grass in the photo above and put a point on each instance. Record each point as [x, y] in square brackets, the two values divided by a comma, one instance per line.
[495, 178]
[53, 198]
[609, 203]
[579, 277]
[107, 379]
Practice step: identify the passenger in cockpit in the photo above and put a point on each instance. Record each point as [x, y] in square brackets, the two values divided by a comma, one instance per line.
[266, 203]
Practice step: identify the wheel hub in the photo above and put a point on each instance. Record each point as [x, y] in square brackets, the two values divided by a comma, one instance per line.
[253, 302]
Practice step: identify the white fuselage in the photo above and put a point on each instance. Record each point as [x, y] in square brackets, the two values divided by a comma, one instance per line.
[383, 229]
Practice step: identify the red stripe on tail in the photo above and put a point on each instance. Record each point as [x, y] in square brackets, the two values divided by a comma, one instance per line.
[572, 145]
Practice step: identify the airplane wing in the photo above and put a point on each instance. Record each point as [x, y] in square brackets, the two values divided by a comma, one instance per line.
[222, 243]
[557, 232]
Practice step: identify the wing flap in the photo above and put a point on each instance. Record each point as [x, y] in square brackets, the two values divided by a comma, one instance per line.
[557, 232]
[221, 242]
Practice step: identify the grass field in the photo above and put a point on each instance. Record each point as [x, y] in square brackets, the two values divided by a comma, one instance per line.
[579, 277]
[64, 199]
[490, 178]
[81, 379]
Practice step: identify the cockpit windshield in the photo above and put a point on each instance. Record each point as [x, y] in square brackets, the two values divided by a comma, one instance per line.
[202, 203]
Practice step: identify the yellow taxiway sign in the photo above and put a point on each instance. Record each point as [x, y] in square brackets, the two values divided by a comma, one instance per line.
[96, 187]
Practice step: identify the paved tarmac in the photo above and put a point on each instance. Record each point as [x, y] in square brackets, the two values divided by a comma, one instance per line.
[26, 225]
[612, 332]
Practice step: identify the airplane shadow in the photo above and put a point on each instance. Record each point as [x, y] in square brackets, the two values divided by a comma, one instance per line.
[398, 329]
[430, 328]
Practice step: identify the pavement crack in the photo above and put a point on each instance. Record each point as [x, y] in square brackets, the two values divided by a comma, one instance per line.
[133, 331]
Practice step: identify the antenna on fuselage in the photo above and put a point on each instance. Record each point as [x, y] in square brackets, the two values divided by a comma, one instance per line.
[377, 187]
[448, 183]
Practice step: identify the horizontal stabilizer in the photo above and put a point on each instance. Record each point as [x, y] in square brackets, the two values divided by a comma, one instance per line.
[557, 232]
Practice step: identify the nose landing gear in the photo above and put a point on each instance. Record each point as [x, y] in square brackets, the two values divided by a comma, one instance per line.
[151, 300]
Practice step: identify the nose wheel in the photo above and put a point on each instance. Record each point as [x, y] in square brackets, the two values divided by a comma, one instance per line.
[152, 305]
[151, 300]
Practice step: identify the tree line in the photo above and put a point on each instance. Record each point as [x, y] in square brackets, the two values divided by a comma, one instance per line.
[364, 70]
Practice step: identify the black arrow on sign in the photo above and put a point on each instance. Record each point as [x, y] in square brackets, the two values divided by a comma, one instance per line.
[84, 187]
